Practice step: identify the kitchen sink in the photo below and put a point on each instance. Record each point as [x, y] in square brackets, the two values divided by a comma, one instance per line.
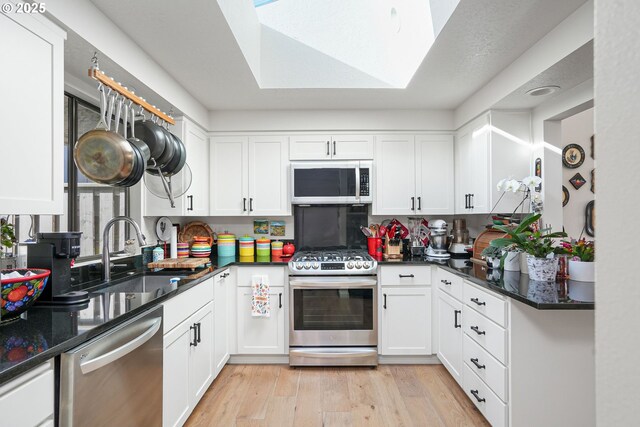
[143, 284]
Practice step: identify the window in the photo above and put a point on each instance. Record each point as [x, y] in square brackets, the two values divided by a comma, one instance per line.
[91, 204]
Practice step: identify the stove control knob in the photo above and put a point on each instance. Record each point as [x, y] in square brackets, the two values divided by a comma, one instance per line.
[358, 264]
[350, 264]
[299, 265]
[315, 265]
[307, 265]
[366, 265]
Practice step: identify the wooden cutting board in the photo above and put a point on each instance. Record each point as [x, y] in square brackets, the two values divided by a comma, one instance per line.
[183, 263]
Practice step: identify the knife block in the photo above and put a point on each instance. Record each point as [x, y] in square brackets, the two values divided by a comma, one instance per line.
[392, 249]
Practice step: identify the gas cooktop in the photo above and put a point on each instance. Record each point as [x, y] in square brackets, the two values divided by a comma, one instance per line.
[332, 262]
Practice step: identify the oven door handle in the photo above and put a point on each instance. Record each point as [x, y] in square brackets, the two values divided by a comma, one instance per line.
[333, 285]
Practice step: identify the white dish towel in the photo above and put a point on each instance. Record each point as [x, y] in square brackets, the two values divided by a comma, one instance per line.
[260, 296]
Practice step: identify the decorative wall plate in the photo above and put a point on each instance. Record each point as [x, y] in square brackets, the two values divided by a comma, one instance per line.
[538, 168]
[577, 181]
[565, 196]
[593, 181]
[572, 156]
[590, 219]
[593, 148]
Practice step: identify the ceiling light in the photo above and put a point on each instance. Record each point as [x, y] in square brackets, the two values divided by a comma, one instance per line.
[542, 90]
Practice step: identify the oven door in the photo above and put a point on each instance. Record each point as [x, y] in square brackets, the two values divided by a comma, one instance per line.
[327, 183]
[333, 311]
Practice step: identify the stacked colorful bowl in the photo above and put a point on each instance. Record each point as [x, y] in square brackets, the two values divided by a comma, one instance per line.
[226, 245]
[246, 246]
[263, 246]
[276, 249]
[183, 250]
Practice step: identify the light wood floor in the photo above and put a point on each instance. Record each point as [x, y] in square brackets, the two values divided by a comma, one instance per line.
[280, 396]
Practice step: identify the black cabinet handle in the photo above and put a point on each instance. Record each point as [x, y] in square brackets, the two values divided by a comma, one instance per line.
[334, 148]
[477, 330]
[224, 275]
[413, 203]
[466, 201]
[384, 304]
[198, 326]
[471, 200]
[280, 300]
[477, 301]
[251, 204]
[475, 362]
[405, 275]
[328, 153]
[244, 204]
[446, 282]
[455, 319]
[190, 208]
[194, 343]
[478, 398]
[419, 203]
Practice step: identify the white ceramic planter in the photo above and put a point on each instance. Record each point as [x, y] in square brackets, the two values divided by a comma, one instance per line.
[512, 261]
[524, 267]
[542, 269]
[582, 271]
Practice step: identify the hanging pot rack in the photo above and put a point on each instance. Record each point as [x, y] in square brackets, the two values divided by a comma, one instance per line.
[101, 77]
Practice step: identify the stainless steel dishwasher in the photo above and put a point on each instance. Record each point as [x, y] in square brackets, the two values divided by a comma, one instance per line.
[116, 378]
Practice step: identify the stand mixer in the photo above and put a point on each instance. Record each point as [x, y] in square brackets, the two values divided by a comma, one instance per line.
[437, 240]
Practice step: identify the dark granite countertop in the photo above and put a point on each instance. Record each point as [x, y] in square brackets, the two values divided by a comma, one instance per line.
[560, 295]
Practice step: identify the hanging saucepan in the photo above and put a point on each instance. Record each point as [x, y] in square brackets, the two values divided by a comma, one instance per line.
[153, 136]
[169, 148]
[101, 155]
[142, 146]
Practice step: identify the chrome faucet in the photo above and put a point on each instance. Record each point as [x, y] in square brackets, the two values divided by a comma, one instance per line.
[106, 261]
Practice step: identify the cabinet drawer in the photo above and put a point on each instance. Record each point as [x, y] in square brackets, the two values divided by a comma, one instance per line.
[450, 283]
[484, 302]
[487, 367]
[490, 336]
[177, 309]
[405, 275]
[36, 386]
[493, 409]
[276, 275]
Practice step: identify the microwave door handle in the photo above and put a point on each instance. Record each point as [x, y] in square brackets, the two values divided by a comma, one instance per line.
[357, 183]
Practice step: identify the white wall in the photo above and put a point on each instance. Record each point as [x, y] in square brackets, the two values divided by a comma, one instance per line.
[578, 129]
[330, 120]
[617, 89]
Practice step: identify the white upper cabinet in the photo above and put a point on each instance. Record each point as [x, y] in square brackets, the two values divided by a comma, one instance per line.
[497, 145]
[32, 111]
[414, 175]
[195, 202]
[327, 147]
[249, 176]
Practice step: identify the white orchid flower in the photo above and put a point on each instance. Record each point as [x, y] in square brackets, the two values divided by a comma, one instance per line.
[531, 181]
[536, 196]
[512, 185]
[501, 184]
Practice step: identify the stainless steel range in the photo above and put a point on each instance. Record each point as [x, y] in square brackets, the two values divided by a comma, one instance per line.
[333, 316]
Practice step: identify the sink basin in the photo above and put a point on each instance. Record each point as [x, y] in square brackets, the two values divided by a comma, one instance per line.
[143, 285]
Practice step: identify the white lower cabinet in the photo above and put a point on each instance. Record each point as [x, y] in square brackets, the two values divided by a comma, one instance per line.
[406, 321]
[450, 334]
[404, 310]
[493, 409]
[261, 335]
[221, 283]
[188, 365]
[29, 399]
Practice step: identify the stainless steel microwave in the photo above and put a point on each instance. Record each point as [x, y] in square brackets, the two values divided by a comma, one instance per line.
[329, 182]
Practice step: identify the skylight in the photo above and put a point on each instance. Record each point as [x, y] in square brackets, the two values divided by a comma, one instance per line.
[336, 43]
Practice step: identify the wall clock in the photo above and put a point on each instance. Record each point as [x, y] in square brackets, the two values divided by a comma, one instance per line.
[572, 156]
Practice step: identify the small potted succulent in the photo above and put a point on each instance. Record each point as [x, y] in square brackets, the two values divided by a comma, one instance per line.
[581, 261]
[492, 255]
[539, 245]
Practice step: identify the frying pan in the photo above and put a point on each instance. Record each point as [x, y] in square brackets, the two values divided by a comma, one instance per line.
[152, 135]
[173, 166]
[169, 149]
[101, 155]
[183, 157]
[140, 144]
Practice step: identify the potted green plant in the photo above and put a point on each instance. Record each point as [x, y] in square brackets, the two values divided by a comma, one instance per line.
[539, 245]
[7, 236]
[581, 263]
[492, 255]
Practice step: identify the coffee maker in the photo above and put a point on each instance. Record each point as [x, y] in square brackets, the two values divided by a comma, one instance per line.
[55, 252]
[459, 247]
[437, 240]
